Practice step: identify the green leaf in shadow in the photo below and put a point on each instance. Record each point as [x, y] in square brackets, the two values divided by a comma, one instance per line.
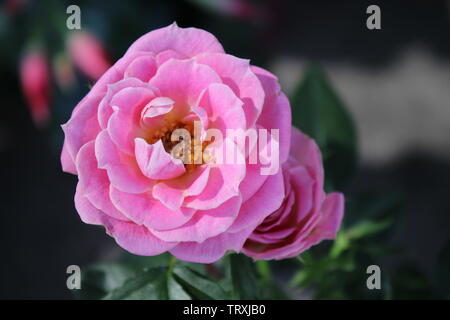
[198, 285]
[319, 112]
[244, 277]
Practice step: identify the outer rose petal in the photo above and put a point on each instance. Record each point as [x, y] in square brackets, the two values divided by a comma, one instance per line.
[94, 182]
[82, 126]
[68, 165]
[143, 209]
[211, 249]
[276, 113]
[332, 214]
[187, 41]
[87, 212]
[268, 198]
[252, 182]
[136, 239]
[205, 224]
[307, 153]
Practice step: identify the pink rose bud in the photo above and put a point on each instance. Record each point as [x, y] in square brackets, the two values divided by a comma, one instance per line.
[35, 80]
[88, 54]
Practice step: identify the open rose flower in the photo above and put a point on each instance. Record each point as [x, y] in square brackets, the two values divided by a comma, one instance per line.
[118, 143]
[307, 215]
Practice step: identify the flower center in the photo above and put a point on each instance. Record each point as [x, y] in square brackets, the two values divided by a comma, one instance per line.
[184, 144]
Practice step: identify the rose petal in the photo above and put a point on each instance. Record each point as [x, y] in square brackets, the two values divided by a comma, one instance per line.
[276, 113]
[87, 212]
[142, 68]
[168, 54]
[223, 107]
[82, 126]
[173, 192]
[105, 109]
[68, 165]
[94, 182]
[187, 41]
[223, 184]
[205, 224]
[143, 209]
[136, 239]
[268, 199]
[183, 81]
[124, 123]
[155, 163]
[237, 74]
[123, 171]
[213, 248]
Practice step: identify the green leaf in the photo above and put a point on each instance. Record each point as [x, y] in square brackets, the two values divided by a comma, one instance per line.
[341, 244]
[144, 262]
[99, 279]
[198, 285]
[367, 228]
[244, 277]
[147, 285]
[176, 291]
[319, 112]
[263, 268]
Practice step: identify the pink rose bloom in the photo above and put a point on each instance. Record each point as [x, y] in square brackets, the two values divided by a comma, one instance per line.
[307, 215]
[88, 54]
[116, 141]
[35, 80]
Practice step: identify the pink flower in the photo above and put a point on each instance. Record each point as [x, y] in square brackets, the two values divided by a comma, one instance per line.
[307, 215]
[117, 142]
[88, 54]
[35, 80]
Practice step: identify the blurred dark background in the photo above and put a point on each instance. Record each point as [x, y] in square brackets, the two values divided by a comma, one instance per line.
[395, 82]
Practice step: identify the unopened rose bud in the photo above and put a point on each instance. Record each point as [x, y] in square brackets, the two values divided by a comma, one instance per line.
[35, 80]
[88, 54]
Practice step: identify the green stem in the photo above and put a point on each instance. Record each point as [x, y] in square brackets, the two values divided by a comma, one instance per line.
[172, 262]
[301, 260]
